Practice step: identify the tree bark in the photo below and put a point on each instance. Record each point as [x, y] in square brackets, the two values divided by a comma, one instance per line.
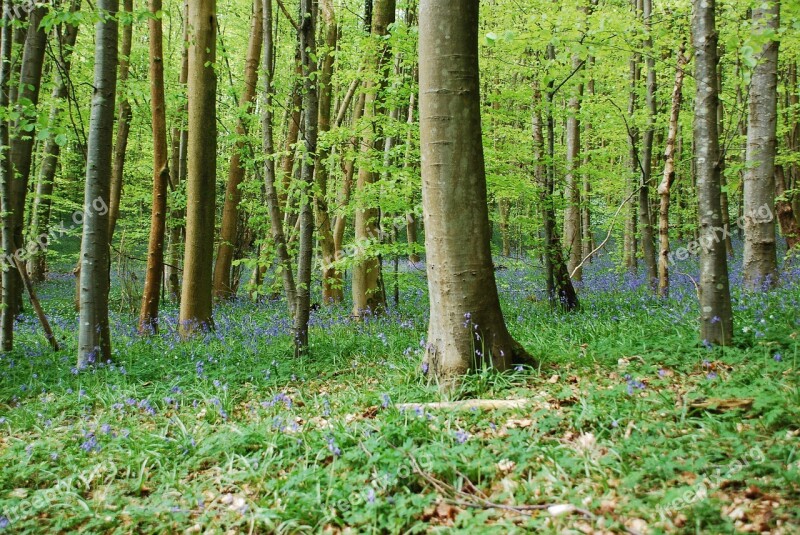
[332, 281]
[586, 208]
[180, 138]
[760, 261]
[6, 176]
[148, 317]
[368, 296]
[572, 193]
[786, 216]
[645, 222]
[271, 193]
[716, 322]
[195, 311]
[43, 201]
[306, 218]
[466, 328]
[669, 175]
[124, 116]
[23, 135]
[223, 289]
[94, 340]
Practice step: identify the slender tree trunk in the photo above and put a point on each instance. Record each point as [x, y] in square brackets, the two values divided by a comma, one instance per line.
[271, 193]
[560, 291]
[786, 216]
[669, 175]
[347, 180]
[293, 119]
[223, 289]
[6, 176]
[23, 136]
[629, 233]
[716, 322]
[332, 281]
[723, 199]
[40, 214]
[148, 317]
[367, 293]
[180, 138]
[94, 339]
[411, 218]
[466, 328]
[645, 222]
[124, 116]
[306, 218]
[195, 312]
[572, 194]
[586, 206]
[760, 262]
[793, 135]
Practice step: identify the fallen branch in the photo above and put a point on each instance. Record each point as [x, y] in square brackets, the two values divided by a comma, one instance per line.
[469, 404]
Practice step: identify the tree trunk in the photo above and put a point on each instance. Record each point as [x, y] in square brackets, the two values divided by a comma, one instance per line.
[40, 214]
[271, 193]
[723, 199]
[223, 289]
[760, 262]
[645, 222]
[466, 328]
[332, 281]
[148, 317]
[124, 116]
[786, 216]
[669, 175]
[572, 193]
[180, 138]
[368, 296]
[629, 233]
[716, 322]
[195, 312]
[6, 176]
[586, 208]
[94, 340]
[23, 136]
[306, 219]
[347, 180]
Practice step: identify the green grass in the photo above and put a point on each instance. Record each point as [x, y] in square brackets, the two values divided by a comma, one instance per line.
[230, 432]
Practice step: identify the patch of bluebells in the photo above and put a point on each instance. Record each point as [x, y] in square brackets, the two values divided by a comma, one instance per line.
[633, 384]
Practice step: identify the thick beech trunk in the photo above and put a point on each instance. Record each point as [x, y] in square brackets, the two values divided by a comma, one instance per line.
[466, 329]
[760, 261]
[716, 322]
[195, 312]
[94, 340]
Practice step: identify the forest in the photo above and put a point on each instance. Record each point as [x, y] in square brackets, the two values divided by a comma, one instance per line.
[400, 266]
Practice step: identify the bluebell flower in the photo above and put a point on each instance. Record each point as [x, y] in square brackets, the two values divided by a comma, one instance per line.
[462, 436]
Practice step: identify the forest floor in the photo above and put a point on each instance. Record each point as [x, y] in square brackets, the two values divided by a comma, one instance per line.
[631, 424]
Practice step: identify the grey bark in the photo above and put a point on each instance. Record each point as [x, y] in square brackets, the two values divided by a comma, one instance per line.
[760, 261]
[94, 340]
[716, 323]
[466, 328]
